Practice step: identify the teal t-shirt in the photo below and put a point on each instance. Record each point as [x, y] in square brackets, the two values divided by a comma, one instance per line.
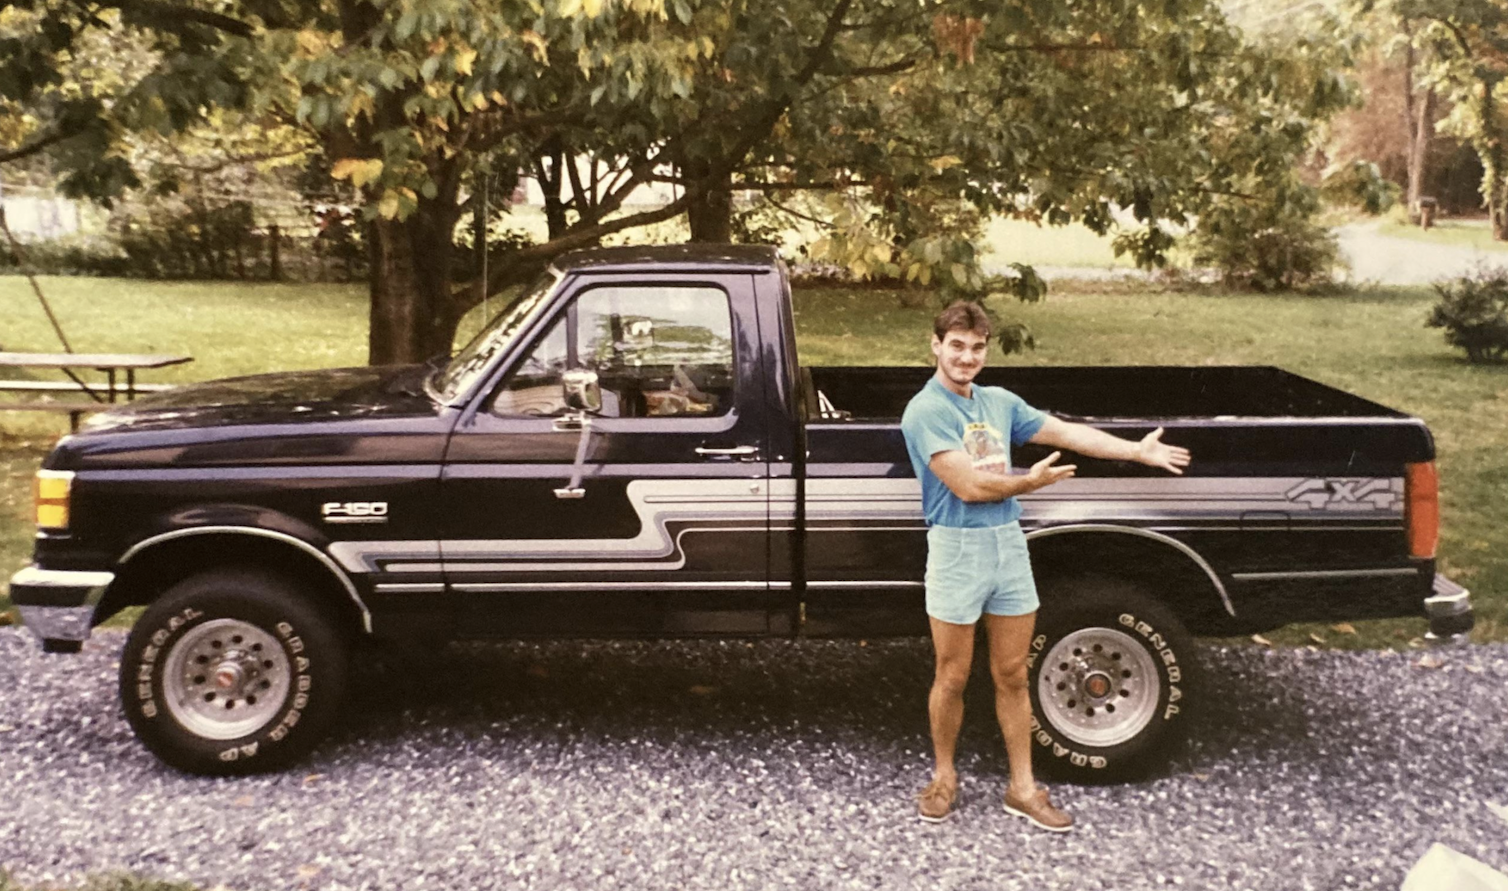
[984, 426]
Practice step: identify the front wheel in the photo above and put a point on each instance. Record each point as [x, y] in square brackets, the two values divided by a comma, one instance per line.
[232, 671]
[1110, 673]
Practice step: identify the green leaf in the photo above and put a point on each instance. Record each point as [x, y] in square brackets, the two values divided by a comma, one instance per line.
[406, 25]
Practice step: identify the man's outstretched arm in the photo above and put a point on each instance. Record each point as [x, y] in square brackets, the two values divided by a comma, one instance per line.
[1092, 443]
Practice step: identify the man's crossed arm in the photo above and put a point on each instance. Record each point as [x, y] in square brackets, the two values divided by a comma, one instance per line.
[958, 473]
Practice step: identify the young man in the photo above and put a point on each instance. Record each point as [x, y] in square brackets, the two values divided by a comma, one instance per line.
[959, 438]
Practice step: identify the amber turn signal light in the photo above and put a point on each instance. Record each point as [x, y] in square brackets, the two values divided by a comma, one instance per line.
[53, 488]
[1423, 511]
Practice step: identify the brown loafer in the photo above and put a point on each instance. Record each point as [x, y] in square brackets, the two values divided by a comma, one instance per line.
[934, 804]
[1038, 810]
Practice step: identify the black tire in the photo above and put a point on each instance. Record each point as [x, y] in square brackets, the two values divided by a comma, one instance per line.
[244, 638]
[1112, 675]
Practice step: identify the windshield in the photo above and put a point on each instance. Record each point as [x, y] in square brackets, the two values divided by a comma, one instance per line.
[458, 376]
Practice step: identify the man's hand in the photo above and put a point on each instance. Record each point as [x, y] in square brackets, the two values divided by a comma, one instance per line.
[1154, 452]
[1045, 472]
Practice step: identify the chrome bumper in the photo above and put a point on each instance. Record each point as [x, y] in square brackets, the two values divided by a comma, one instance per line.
[1449, 611]
[58, 605]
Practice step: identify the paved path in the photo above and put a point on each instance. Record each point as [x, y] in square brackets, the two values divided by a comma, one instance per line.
[1403, 261]
[1374, 257]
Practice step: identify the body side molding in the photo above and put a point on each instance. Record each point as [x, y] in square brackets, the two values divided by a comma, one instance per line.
[1145, 533]
[321, 556]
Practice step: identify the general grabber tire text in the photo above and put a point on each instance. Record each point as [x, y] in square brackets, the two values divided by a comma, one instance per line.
[233, 671]
[1112, 676]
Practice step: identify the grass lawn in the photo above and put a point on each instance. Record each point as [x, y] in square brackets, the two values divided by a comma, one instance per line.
[1371, 343]
[1459, 233]
[1018, 241]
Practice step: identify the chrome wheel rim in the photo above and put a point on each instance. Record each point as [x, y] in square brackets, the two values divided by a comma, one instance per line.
[225, 679]
[1099, 687]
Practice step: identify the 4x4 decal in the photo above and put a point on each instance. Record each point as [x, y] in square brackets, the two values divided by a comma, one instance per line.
[1347, 494]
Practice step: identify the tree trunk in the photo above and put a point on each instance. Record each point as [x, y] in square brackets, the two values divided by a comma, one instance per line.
[1419, 121]
[1498, 210]
[274, 253]
[551, 178]
[1419, 140]
[412, 314]
[1494, 155]
[711, 212]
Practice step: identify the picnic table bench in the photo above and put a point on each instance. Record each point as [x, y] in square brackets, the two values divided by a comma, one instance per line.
[112, 390]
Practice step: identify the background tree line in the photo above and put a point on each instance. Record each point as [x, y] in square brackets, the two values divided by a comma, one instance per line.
[887, 129]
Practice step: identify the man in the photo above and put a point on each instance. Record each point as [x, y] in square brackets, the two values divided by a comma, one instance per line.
[959, 437]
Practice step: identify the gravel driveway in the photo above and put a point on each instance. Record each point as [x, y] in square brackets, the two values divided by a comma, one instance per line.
[732, 765]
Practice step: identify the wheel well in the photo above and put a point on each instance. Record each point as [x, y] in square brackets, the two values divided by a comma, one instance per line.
[152, 571]
[1164, 572]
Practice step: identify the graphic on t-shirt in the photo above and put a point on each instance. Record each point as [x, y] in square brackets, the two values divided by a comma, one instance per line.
[986, 448]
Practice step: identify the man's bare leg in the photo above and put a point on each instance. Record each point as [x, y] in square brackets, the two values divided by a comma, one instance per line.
[954, 646]
[1009, 637]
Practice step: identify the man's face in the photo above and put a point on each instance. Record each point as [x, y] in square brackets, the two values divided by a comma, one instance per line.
[960, 354]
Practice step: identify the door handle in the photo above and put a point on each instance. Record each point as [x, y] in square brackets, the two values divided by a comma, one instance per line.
[742, 451]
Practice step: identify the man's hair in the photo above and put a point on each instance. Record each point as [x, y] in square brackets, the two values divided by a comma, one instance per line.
[961, 315]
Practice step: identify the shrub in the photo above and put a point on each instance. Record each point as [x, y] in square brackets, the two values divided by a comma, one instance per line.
[1267, 245]
[195, 241]
[73, 255]
[1473, 310]
[1360, 184]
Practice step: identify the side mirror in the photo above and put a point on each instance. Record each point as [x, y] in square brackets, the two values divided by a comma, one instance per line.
[582, 392]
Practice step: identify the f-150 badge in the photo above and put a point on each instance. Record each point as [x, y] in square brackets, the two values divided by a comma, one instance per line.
[1346, 494]
[354, 511]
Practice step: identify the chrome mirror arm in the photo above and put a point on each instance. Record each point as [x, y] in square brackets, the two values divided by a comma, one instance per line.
[573, 489]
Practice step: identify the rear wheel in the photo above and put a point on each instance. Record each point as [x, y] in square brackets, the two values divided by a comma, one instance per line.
[232, 671]
[1111, 678]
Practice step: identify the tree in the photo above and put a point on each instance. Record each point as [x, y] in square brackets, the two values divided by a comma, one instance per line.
[895, 125]
[1468, 43]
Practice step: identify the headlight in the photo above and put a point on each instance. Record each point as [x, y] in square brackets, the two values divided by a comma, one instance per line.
[53, 489]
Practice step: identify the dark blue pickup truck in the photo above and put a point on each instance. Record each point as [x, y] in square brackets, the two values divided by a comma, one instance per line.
[630, 448]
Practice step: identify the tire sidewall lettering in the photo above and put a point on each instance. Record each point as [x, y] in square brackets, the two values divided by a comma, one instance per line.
[149, 684]
[1171, 675]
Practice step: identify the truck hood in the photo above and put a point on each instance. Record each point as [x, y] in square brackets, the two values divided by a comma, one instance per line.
[332, 394]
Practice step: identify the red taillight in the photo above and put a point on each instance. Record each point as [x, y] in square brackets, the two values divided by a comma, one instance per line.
[1423, 513]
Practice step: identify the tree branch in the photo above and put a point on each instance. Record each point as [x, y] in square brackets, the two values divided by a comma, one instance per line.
[826, 224]
[41, 143]
[577, 236]
[896, 67]
[172, 16]
[747, 186]
[236, 159]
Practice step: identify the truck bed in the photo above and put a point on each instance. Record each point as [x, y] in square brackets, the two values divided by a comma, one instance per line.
[1238, 421]
[1114, 392]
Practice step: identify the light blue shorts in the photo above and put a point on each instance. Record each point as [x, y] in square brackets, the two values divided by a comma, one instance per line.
[975, 571]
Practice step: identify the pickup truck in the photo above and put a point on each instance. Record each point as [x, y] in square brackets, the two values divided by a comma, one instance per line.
[631, 449]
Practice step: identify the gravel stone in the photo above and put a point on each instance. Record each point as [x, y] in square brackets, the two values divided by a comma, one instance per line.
[727, 764]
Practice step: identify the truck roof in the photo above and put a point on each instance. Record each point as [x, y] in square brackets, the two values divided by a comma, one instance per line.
[666, 257]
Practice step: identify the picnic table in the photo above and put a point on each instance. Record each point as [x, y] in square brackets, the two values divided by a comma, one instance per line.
[113, 389]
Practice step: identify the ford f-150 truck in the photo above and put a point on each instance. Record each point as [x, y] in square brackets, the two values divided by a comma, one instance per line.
[630, 448]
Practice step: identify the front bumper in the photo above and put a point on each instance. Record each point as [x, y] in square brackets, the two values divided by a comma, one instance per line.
[58, 605]
[1449, 611]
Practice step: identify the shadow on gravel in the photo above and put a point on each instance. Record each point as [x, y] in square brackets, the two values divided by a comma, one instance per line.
[649, 690]
[701, 693]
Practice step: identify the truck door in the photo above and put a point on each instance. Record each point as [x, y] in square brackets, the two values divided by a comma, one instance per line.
[658, 523]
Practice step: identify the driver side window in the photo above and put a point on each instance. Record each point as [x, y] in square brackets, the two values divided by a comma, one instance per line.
[658, 351]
